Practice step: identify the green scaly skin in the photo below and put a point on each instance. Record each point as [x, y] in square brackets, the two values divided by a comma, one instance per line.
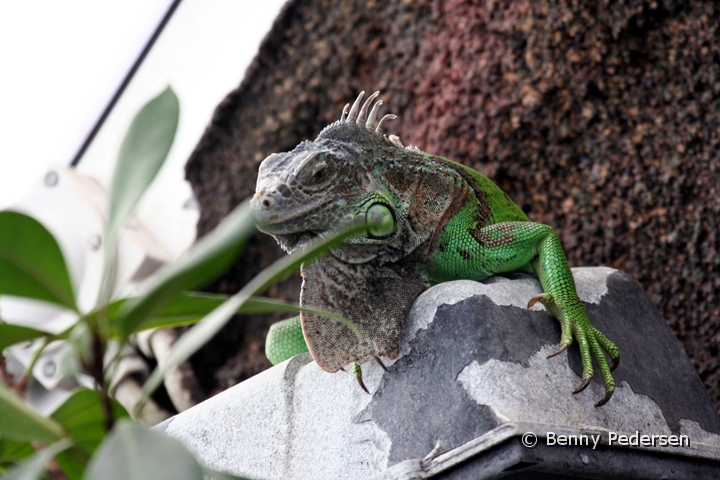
[513, 246]
[285, 340]
[430, 220]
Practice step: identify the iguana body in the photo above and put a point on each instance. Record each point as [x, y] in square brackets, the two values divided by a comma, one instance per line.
[430, 220]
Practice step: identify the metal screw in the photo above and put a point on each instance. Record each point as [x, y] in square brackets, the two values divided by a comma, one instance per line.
[51, 178]
[49, 368]
[95, 241]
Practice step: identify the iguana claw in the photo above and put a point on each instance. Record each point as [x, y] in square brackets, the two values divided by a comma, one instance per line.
[535, 299]
[357, 371]
[605, 399]
[377, 359]
[583, 385]
[362, 385]
[562, 348]
[614, 365]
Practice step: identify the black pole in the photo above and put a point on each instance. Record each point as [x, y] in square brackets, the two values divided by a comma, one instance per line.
[125, 83]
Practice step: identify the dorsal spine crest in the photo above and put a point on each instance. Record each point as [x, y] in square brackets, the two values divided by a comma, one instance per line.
[366, 114]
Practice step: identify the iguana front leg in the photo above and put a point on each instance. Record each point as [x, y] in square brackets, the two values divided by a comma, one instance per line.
[512, 246]
[560, 297]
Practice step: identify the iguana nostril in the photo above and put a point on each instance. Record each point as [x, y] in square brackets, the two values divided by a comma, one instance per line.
[271, 200]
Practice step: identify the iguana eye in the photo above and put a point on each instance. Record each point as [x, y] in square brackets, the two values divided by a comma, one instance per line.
[319, 175]
[318, 170]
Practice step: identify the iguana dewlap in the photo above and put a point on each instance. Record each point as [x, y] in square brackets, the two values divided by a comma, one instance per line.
[430, 220]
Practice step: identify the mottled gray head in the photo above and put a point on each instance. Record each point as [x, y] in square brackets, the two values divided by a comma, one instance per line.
[330, 182]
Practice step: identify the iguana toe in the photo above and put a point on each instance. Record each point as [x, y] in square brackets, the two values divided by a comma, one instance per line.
[357, 371]
[615, 363]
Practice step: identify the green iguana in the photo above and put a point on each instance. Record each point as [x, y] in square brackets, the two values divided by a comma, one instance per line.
[429, 219]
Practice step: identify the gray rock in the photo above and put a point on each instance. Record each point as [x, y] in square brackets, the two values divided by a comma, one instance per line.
[472, 379]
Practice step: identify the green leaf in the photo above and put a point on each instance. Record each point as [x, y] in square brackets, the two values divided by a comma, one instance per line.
[188, 308]
[83, 418]
[21, 423]
[31, 262]
[197, 336]
[205, 260]
[183, 309]
[34, 467]
[132, 452]
[143, 152]
[291, 263]
[271, 305]
[12, 334]
[12, 451]
[73, 462]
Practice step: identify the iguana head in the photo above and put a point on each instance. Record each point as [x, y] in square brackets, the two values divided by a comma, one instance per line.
[331, 182]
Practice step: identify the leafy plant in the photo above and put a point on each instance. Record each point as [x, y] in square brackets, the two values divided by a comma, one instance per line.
[89, 436]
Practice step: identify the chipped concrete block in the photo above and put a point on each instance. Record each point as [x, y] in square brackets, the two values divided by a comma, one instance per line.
[471, 383]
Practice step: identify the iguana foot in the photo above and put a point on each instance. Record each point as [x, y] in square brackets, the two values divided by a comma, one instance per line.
[357, 371]
[575, 324]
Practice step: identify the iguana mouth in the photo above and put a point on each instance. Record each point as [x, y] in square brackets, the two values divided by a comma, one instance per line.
[285, 227]
[291, 241]
[272, 219]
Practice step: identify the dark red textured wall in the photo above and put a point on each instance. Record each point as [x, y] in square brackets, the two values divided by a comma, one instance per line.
[599, 118]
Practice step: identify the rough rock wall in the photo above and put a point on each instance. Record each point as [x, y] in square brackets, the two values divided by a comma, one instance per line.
[600, 118]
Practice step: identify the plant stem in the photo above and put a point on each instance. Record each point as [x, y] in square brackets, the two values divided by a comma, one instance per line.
[97, 371]
[5, 376]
